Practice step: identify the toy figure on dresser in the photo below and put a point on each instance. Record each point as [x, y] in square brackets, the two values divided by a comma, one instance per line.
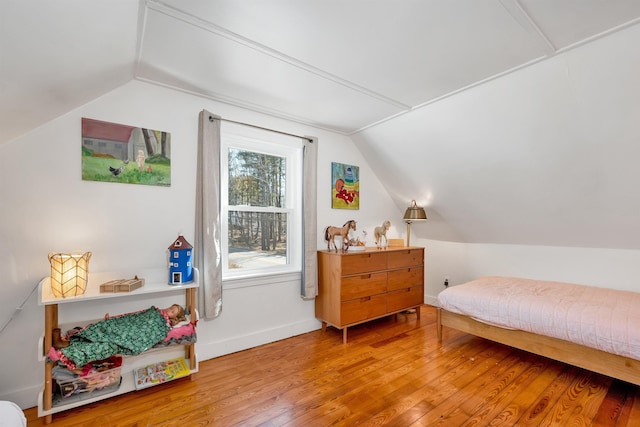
[358, 243]
[331, 232]
[380, 233]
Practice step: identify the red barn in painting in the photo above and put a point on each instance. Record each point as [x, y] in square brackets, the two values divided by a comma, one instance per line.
[108, 138]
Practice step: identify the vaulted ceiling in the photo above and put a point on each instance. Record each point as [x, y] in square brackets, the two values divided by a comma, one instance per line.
[483, 110]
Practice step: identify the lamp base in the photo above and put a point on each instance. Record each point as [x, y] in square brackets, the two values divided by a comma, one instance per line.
[408, 233]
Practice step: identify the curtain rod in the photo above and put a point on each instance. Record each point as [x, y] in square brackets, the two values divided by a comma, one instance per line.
[211, 118]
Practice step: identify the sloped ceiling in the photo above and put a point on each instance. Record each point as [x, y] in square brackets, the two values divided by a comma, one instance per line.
[488, 112]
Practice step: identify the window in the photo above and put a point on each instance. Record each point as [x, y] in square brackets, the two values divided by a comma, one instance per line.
[261, 203]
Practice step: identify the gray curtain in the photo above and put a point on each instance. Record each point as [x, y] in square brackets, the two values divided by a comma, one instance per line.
[309, 219]
[207, 254]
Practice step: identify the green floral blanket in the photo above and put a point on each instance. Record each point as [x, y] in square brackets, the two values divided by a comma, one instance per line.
[129, 334]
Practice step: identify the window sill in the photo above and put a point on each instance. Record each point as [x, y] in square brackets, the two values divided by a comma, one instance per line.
[260, 280]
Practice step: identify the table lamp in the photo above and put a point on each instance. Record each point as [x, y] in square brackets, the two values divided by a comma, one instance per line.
[413, 213]
[69, 273]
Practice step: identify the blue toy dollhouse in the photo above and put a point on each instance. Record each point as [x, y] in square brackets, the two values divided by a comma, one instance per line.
[180, 262]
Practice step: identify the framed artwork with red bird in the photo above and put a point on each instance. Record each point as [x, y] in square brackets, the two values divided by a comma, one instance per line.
[345, 186]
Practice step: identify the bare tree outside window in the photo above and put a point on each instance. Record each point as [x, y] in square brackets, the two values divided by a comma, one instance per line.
[257, 217]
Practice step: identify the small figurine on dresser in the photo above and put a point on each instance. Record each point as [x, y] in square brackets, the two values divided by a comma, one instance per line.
[357, 242]
[331, 232]
[380, 233]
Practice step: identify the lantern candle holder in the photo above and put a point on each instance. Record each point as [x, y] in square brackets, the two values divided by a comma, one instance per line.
[69, 273]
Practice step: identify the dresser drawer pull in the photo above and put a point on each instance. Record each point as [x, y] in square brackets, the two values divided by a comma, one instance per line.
[363, 299]
[365, 276]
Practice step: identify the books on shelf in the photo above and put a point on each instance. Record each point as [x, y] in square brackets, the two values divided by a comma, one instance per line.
[161, 372]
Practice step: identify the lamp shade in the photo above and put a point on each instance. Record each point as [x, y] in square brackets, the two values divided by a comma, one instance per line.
[69, 273]
[414, 213]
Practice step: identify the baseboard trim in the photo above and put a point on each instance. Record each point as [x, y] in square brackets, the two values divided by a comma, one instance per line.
[211, 350]
[431, 300]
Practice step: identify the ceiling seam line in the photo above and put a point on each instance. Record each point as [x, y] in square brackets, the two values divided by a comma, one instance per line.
[230, 35]
[142, 26]
[449, 94]
[536, 27]
[600, 35]
[522, 66]
[237, 103]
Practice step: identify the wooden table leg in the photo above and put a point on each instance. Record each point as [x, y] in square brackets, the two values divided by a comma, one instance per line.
[439, 324]
[47, 397]
[50, 322]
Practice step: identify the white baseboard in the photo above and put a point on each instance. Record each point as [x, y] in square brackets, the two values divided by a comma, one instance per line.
[25, 398]
[428, 299]
[214, 349]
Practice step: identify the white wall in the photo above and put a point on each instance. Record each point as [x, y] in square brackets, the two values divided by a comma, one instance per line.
[442, 259]
[461, 262]
[46, 206]
[607, 268]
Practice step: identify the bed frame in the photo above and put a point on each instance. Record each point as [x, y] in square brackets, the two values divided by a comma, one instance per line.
[612, 365]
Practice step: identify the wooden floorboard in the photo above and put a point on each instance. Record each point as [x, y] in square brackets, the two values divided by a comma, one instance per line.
[392, 372]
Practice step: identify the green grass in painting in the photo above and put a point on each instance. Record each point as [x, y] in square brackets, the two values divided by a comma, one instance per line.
[97, 169]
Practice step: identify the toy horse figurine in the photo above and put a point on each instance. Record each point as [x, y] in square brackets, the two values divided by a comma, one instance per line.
[331, 232]
[380, 232]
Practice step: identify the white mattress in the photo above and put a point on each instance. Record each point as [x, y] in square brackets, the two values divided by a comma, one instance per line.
[11, 415]
[604, 319]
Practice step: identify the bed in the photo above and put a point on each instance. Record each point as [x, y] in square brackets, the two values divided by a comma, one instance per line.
[593, 328]
[11, 415]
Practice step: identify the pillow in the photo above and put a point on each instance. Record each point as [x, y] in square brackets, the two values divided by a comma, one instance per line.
[177, 333]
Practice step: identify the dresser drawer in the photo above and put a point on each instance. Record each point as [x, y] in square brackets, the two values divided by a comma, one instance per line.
[363, 263]
[363, 285]
[405, 298]
[360, 309]
[405, 278]
[406, 258]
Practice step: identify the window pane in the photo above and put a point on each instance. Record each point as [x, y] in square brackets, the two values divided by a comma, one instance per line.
[257, 239]
[256, 179]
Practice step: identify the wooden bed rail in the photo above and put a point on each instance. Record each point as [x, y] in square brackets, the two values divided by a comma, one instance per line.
[612, 365]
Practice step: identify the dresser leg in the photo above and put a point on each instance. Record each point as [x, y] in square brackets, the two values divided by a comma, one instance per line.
[344, 335]
[324, 326]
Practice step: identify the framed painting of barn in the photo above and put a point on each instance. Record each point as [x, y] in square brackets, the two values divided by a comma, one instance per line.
[345, 186]
[114, 152]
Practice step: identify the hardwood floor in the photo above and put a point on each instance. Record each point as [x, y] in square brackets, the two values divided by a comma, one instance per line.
[392, 373]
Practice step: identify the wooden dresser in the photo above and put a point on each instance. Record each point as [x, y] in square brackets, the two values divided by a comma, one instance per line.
[356, 287]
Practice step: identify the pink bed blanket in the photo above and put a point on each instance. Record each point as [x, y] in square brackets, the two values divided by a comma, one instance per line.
[605, 319]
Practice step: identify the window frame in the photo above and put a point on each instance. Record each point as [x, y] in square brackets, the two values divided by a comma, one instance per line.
[268, 143]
